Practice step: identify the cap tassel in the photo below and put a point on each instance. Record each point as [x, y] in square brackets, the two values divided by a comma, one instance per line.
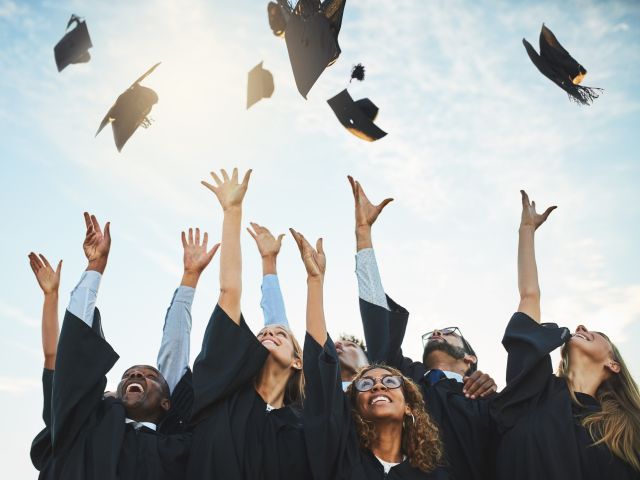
[357, 72]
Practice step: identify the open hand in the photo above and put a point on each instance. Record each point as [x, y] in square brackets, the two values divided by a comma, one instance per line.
[479, 385]
[230, 193]
[47, 277]
[96, 243]
[196, 257]
[366, 212]
[314, 260]
[268, 245]
[530, 218]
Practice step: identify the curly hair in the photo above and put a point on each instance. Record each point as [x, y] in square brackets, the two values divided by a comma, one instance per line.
[420, 436]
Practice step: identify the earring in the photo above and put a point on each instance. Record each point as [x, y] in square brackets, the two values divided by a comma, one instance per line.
[412, 418]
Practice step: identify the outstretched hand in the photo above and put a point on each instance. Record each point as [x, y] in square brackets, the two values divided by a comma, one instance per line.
[196, 257]
[97, 243]
[366, 212]
[479, 385]
[47, 277]
[531, 218]
[268, 245]
[314, 260]
[230, 193]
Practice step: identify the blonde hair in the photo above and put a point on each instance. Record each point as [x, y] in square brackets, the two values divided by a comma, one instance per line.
[617, 424]
[420, 436]
[294, 393]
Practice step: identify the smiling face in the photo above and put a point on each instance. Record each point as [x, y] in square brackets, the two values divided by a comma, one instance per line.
[281, 345]
[144, 393]
[591, 347]
[381, 403]
[451, 344]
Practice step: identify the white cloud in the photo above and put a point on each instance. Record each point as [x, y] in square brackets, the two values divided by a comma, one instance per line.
[16, 314]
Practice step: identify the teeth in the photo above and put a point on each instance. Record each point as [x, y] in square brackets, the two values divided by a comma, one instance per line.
[135, 387]
[380, 399]
[270, 342]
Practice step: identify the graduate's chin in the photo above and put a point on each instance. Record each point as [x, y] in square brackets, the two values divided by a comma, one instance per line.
[133, 399]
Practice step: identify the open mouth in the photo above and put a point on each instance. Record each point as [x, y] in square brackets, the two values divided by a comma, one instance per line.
[380, 399]
[268, 343]
[582, 336]
[135, 388]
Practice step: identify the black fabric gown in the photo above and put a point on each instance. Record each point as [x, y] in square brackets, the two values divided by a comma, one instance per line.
[90, 438]
[234, 437]
[466, 427]
[541, 434]
[330, 431]
[41, 450]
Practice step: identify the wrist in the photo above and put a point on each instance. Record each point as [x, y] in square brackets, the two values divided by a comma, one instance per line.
[526, 228]
[51, 294]
[315, 281]
[190, 278]
[232, 209]
[97, 265]
[269, 264]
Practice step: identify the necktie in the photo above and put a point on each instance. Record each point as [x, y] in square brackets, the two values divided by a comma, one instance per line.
[434, 376]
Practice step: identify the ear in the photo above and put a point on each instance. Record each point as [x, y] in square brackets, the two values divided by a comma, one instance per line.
[470, 359]
[407, 410]
[297, 364]
[613, 366]
[165, 404]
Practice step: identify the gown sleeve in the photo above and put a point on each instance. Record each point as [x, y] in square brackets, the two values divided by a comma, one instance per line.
[41, 446]
[231, 355]
[178, 416]
[326, 413]
[83, 360]
[529, 368]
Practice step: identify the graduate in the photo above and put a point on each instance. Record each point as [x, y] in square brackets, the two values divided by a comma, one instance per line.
[352, 354]
[583, 423]
[455, 392]
[379, 429]
[246, 418]
[49, 280]
[109, 437]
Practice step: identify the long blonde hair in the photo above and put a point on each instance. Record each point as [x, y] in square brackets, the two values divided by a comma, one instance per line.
[617, 424]
[420, 436]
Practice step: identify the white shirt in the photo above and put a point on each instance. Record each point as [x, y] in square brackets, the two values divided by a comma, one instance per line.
[388, 465]
[137, 425]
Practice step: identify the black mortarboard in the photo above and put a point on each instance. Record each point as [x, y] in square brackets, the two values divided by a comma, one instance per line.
[130, 110]
[259, 84]
[74, 46]
[357, 117]
[312, 39]
[555, 63]
[278, 14]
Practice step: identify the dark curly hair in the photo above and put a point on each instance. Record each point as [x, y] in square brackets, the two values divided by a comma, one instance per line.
[420, 437]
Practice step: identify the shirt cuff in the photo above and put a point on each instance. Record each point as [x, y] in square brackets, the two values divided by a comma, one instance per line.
[269, 281]
[90, 279]
[184, 294]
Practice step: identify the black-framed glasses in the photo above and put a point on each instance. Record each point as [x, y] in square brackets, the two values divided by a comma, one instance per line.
[365, 384]
[443, 331]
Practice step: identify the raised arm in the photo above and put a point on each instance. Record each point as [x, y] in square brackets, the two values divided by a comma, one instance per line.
[272, 302]
[315, 263]
[49, 281]
[527, 270]
[230, 194]
[173, 356]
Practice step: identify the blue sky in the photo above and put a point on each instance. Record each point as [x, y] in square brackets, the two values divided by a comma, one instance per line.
[470, 122]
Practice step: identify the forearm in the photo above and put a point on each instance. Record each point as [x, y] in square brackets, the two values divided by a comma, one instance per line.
[363, 237]
[316, 326]
[528, 285]
[269, 265]
[231, 264]
[50, 329]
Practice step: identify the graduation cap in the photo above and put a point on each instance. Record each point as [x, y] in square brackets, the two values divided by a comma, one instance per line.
[278, 15]
[555, 63]
[311, 34]
[358, 116]
[259, 84]
[74, 46]
[130, 110]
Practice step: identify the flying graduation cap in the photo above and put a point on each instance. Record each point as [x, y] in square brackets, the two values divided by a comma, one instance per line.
[311, 31]
[555, 63]
[130, 111]
[259, 84]
[74, 46]
[358, 116]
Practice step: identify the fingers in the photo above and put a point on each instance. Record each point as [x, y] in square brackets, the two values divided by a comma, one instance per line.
[107, 232]
[213, 251]
[87, 220]
[319, 248]
[257, 228]
[183, 236]
[59, 268]
[234, 175]
[245, 180]
[225, 175]
[205, 240]
[352, 182]
[547, 212]
[525, 198]
[197, 239]
[477, 384]
[45, 261]
[253, 235]
[280, 237]
[34, 262]
[216, 178]
[95, 224]
[209, 186]
[384, 203]
[190, 239]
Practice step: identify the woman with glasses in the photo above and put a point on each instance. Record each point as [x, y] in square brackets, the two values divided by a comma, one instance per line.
[583, 423]
[379, 429]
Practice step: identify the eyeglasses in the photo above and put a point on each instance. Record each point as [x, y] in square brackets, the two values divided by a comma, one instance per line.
[365, 384]
[444, 331]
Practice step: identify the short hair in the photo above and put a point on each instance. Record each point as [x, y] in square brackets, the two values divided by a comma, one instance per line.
[347, 337]
[163, 382]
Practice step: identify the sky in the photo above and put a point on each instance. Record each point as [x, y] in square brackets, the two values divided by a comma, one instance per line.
[470, 122]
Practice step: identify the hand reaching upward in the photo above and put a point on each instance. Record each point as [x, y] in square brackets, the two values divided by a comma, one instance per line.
[268, 245]
[314, 260]
[196, 257]
[47, 277]
[230, 193]
[530, 218]
[366, 212]
[96, 243]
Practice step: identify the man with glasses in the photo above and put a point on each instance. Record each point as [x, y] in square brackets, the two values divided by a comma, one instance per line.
[456, 394]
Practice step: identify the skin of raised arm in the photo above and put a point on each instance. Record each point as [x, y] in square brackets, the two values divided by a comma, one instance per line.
[528, 285]
[315, 264]
[196, 257]
[230, 194]
[49, 281]
[268, 246]
[366, 214]
[97, 243]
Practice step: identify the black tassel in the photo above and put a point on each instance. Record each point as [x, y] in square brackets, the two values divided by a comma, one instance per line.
[584, 95]
[357, 72]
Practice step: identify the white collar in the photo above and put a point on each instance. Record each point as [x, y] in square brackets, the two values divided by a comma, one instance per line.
[389, 465]
[137, 425]
[452, 375]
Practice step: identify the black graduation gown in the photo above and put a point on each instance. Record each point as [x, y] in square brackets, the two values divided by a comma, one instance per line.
[330, 431]
[234, 437]
[541, 434]
[89, 435]
[41, 449]
[466, 427]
